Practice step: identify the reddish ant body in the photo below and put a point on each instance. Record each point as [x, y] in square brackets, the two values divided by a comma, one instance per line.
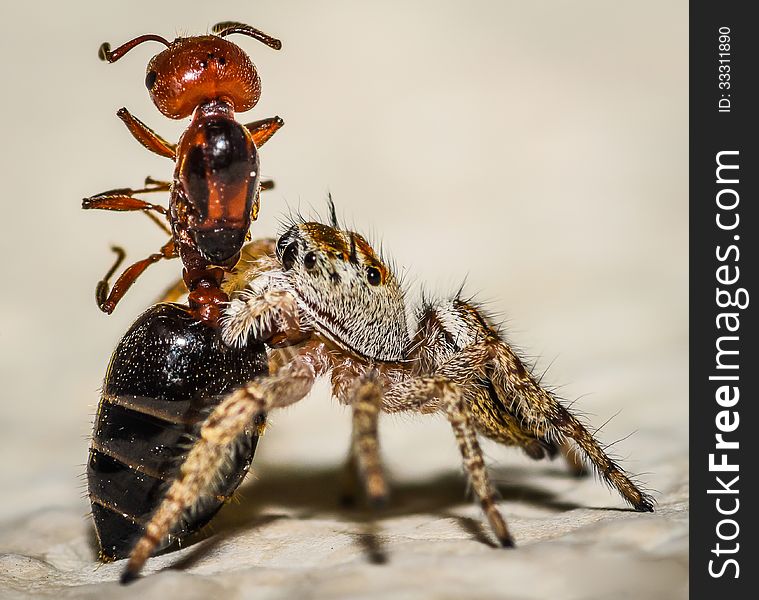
[216, 184]
[169, 369]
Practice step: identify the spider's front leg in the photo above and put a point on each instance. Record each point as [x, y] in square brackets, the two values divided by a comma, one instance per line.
[216, 441]
[256, 315]
[365, 398]
[433, 394]
[264, 313]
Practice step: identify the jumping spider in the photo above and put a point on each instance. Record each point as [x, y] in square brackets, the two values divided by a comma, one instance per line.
[325, 303]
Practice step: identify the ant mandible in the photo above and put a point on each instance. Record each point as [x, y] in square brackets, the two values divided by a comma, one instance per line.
[214, 194]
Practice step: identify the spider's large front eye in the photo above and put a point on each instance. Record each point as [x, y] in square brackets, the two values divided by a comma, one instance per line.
[309, 260]
[289, 255]
[373, 276]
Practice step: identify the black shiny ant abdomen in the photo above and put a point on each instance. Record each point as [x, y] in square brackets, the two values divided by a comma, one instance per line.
[166, 373]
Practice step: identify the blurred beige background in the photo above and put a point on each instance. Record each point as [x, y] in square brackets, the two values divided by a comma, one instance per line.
[537, 148]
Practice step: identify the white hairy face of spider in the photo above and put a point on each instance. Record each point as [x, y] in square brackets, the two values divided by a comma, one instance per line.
[344, 288]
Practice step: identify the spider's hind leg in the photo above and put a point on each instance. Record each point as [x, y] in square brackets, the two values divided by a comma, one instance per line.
[456, 410]
[542, 412]
[495, 420]
[573, 459]
[444, 325]
[480, 353]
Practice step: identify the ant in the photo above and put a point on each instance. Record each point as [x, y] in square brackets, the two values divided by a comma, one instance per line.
[214, 194]
[171, 367]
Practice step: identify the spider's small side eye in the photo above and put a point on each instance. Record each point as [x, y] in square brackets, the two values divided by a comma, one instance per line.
[309, 260]
[373, 276]
[289, 254]
[150, 79]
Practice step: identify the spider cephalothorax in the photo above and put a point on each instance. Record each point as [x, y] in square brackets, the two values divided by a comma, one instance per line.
[330, 306]
[343, 290]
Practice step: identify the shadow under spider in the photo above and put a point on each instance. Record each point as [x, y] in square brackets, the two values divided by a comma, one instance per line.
[319, 490]
[311, 491]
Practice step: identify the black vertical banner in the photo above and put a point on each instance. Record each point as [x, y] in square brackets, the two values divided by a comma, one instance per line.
[724, 229]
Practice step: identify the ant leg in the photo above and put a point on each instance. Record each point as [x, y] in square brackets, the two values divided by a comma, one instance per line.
[156, 185]
[146, 136]
[107, 301]
[127, 203]
[263, 130]
[120, 202]
[158, 222]
[151, 185]
[367, 400]
[121, 199]
[101, 290]
[215, 441]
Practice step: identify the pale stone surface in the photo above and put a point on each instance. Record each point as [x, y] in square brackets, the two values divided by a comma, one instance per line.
[288, 538]
[292, 542]
[540, 148]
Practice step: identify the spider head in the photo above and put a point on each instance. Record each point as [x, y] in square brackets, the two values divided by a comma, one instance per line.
[345, 288]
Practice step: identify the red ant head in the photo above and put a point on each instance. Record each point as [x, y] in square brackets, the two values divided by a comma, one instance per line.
[194, 70]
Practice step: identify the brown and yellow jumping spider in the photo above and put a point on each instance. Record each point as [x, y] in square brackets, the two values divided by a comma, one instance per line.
[327, 304]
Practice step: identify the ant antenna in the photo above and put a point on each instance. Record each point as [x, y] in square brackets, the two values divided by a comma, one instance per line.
[226, 28]
[105, 52]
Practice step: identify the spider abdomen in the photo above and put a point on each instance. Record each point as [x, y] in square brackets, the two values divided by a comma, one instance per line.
[165, 375]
